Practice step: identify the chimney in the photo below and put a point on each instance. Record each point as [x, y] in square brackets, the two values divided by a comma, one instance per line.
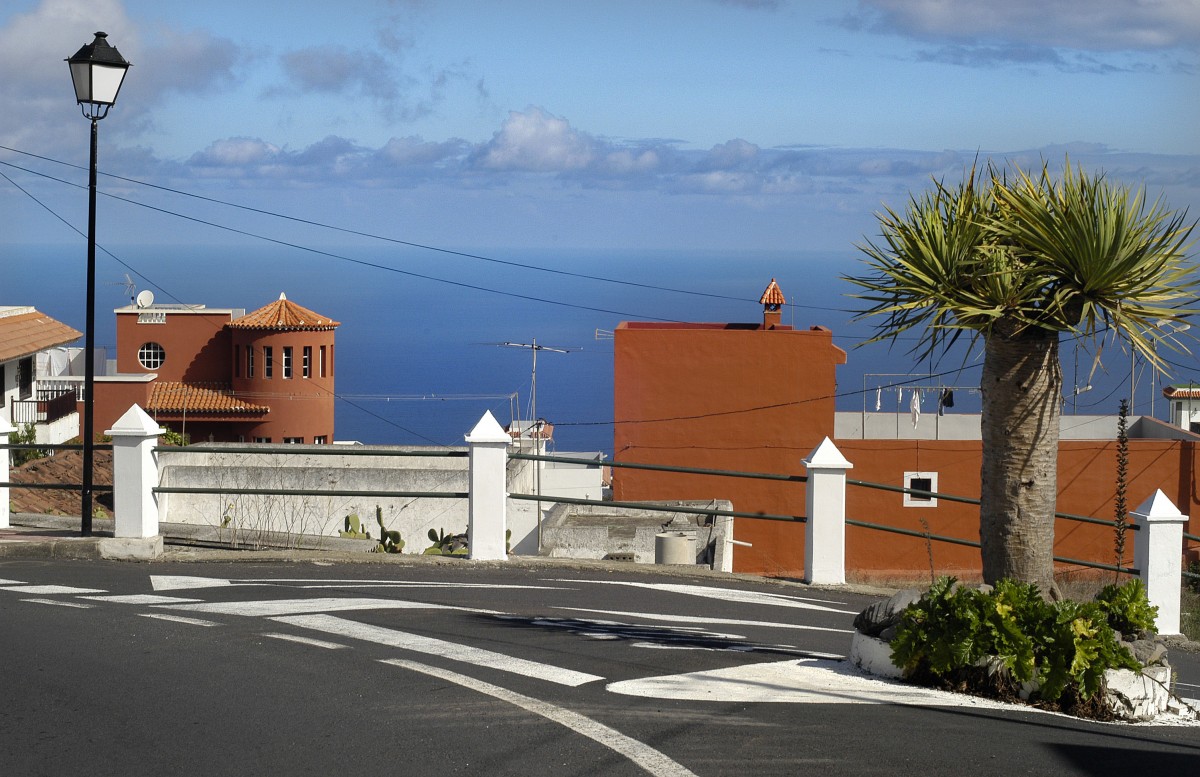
[772, 301]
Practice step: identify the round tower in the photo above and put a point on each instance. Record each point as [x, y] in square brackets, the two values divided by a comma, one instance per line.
[283, 358]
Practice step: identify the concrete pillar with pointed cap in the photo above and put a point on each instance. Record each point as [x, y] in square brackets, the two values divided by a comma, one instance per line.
[488, 486]
[135, 474]
[825, 507]
[1157, 553]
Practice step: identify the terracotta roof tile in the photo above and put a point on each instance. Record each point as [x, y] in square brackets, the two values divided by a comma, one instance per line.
[1182, 391]
[206, 398]
[25, 331]
[773, 295]
[283, 314]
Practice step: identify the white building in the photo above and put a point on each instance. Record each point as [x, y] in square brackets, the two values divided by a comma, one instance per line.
[28, 357]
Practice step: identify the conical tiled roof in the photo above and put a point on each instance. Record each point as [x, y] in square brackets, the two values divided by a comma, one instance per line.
[773, 295]
[285, 315]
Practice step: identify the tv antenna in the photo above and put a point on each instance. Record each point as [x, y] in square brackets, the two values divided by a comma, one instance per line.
[536, 423]
[130, 287]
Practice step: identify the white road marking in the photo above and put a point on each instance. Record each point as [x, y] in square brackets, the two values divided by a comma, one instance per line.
[305, 640]
[180, 582]
[395, 584]
[178, 619]
[803, 681]
[649, 759]
[12, 582]
[700, 619]
[727, 594]
[59, 603]
[270, 607]
[437, 647]
[51, 589]
[140, 599]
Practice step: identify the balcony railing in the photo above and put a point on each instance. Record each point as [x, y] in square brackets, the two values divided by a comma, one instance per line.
[50, 405]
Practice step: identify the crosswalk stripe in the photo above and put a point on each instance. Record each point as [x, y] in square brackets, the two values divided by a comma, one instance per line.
[330, 624]
[304, 640]
[59, 603]
[272, 607]
[701, 619]
[178, 619]
[51, 589]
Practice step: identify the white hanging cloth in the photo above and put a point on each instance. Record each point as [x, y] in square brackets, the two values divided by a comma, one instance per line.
[915, 407]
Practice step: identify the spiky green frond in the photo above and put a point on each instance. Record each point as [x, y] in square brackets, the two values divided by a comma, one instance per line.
[1078, 255]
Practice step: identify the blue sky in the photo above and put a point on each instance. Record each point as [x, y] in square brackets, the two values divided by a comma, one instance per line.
[770, 125]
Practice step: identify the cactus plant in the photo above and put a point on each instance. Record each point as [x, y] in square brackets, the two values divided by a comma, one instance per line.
[446, 544]
[389, 541]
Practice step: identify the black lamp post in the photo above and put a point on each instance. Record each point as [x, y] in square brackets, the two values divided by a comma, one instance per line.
[97, 71]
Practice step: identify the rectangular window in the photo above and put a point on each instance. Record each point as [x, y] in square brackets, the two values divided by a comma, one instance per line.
[332, 366]
[322, 362]
[293, 440]
[320, 439]
[262, 439]
[920, 481]
[287, 362]
[268, 361]
[307, 361]
[250, 361]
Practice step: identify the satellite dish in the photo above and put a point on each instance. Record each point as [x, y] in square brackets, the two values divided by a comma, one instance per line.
[145, 298]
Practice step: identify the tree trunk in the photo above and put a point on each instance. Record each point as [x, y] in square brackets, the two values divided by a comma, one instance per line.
[1022, 390]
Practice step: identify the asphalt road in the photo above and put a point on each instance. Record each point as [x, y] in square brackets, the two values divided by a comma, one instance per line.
[311, 669]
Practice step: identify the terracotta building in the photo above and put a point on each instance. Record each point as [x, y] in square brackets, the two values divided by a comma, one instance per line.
[216, 374]
[751, 397]
[760, 397]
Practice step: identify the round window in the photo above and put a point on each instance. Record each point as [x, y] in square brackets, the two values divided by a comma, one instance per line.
[152, 356]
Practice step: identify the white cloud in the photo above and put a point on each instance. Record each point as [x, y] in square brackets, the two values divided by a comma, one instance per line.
[414, 151]
[1089, 25]
[236, 152]
[337, 69]
[36, 89]
[536, 141]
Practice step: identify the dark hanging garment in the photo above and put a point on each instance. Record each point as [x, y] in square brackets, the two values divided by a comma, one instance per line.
[945, 400]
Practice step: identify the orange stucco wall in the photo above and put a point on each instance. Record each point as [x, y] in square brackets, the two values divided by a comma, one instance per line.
[196, 345]
[735, 397]
[112, 401]
[1086, 477]
[751, 399]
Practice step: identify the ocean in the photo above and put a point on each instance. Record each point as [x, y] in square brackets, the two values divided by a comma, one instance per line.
[419, 360]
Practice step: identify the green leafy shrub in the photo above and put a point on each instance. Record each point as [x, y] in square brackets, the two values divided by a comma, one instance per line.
[26, 435]
[1127, 608]
[954, 634]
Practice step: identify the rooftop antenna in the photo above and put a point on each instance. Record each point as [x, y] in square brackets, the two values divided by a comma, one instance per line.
[536, 422]
[130, 287]
[604, 334]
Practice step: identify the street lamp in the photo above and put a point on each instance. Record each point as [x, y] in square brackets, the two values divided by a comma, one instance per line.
[97, 71]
